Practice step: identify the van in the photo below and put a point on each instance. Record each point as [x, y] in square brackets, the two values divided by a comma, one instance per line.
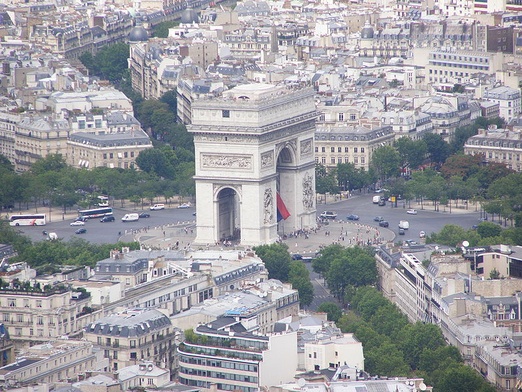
[130, 218]
[376, 199]
[404, 225]
[157, 207]
[53, 236]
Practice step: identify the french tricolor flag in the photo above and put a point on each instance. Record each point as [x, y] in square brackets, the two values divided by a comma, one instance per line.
[282, 211]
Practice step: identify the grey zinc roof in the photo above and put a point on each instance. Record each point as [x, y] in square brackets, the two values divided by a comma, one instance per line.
[135, 137]
[129, 323]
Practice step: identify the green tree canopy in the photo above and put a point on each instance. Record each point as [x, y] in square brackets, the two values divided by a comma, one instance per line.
[277, 260]
[386, 162]
[332, 310]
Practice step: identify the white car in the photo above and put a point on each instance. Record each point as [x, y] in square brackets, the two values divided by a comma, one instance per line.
[78, 223]
[184, 205]
[411, 211]
[328, 215]
[157, 207]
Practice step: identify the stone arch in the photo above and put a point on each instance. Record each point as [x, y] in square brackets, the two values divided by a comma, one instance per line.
[228, 203]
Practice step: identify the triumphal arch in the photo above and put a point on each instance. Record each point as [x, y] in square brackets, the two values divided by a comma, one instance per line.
[255, 166]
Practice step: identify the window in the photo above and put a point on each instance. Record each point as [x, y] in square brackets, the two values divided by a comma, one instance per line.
[316, 149]
[12, 302]
[339, 149]
[225, 113]
[133, 355]
[132, 154]
[39, 320]
[20, 318]
[341, 116]
[355, 149]
[362, 149]
[105, 156]
[352, 117]
[323, 149]
[323, 160]
[98, 123]
[347, 149]
[332, 160]
[81, 124]
[111, 155]
[332, 149]
[132, 344]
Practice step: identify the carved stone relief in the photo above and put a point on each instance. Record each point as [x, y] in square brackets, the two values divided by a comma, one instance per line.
[268, 204]
[306, 147]
[308, 192]
[267, 160]
[226, 161]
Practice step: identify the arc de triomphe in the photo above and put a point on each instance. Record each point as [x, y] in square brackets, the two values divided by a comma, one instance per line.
[255, 163]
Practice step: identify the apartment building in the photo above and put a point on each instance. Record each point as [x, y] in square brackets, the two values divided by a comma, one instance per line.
[33, 315]
[498, 361]
[332, 351]
[448, 67]
[257, 306]
[37, 137]
[8, 123]
[186, 279]
[134, 335]
[221, 353]
[407, 123]
[508, 100]
[145, 374]
[444, 116]
[345, 144]
[53, 362]
[497, 145]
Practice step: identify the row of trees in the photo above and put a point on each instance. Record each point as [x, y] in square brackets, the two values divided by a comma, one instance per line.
[51, 182]
[280, 266]
[345, 269]
[47, 256]
[394, 347]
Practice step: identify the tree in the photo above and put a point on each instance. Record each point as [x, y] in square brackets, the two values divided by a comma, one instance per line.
[386, 162]
[277, 260]
[488, 229]
[412, 152]
[438, 149]
[332, 310]
[321, 264]
[417, 338]
[440, 358]
[461, 165]
[452, 235]
[385, 360]
[171, 99]
[299, 277]
[459, 378]
[325, 182]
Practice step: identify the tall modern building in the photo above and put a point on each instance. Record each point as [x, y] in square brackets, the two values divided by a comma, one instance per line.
[224, 355]
[255, 175]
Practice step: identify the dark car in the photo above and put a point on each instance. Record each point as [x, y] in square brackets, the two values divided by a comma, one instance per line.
[401, 232]
[384, 224]
[81, 230]
[378, 219]
[352, 217]
[297, 256]
[108, 218]
[382, 202]
[144, 215]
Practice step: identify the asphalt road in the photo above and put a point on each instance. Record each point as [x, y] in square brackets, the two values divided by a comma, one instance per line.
[426, 220]
[109, 232]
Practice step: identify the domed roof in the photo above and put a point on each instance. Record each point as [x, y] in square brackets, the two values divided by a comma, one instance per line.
[367, 31]
[138, 34]
[189, 15]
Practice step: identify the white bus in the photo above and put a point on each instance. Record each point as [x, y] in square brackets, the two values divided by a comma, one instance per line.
[27, 220]
[103, 201]
[95, 213]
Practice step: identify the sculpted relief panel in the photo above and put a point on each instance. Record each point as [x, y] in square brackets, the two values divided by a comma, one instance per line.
[306, 147]
[222, 161]
[267, 160]
[268, 205]
[308, 192]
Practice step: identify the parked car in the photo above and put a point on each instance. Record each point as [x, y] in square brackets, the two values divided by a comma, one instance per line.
[328, 215]
[353, 217]
[108, 218]
[297, 256]
[402, 232]
[378, 219]
[382, 203]
[412, 211]
[81, 230]
[184, 205]
[159, 206]
[384, 223]
[144, 215]
[422, 234]
[78, 223]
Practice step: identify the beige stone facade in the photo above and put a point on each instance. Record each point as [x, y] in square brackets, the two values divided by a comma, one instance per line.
[345, 144]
